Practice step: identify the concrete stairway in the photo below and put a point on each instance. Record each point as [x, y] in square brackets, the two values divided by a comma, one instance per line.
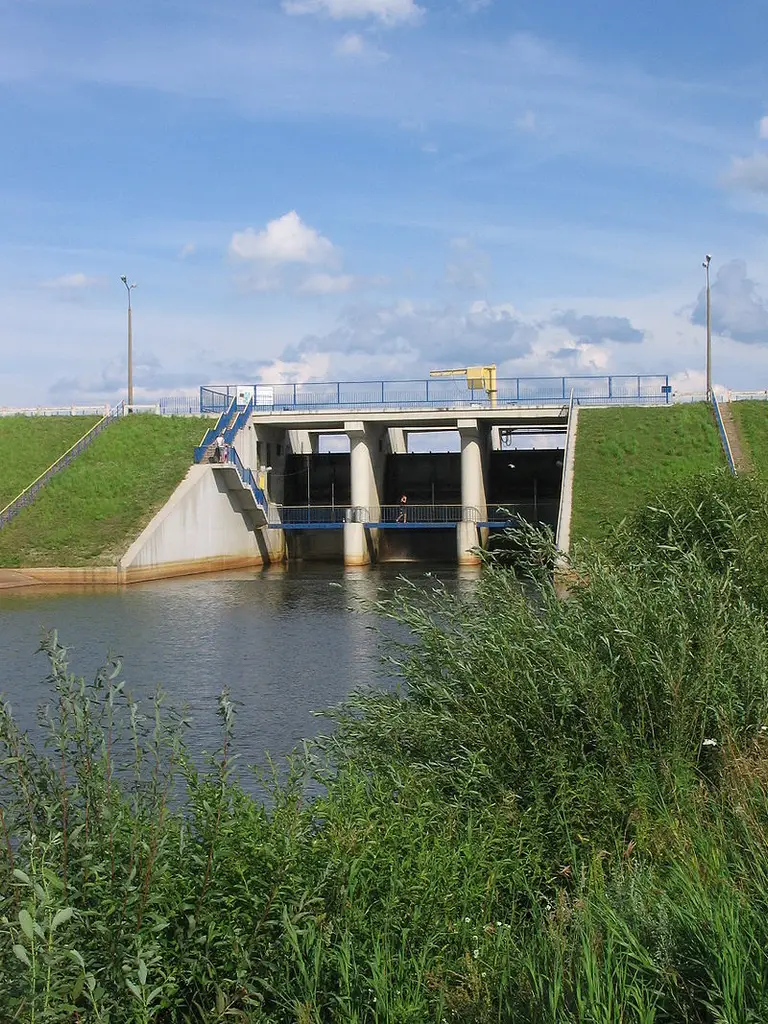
[242, 494]
[741, 460]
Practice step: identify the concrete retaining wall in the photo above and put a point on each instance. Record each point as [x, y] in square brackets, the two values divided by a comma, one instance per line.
[200, 525]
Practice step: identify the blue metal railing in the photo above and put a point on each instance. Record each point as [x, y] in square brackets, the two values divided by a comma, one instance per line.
[299, 517]
[619, 389]
[723, 435]
[29, 494]
[249, 480]
[229, 424]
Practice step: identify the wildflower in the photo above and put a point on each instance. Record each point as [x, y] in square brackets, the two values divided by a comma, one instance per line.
[467, 920]
[709, 743]
[475, 953]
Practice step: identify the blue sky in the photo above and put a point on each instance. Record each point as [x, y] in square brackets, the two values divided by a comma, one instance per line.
[349, 189]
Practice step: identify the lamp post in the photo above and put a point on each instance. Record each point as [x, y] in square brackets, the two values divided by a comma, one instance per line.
[129, 288]
[705, 264]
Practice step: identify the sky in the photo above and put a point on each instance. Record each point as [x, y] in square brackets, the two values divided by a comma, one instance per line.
[364, 189]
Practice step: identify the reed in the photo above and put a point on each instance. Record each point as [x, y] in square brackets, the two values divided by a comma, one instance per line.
[561, 817]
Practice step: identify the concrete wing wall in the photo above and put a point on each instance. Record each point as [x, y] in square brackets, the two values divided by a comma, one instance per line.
[198, 524]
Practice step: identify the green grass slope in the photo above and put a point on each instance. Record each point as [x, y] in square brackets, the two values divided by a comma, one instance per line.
[752, 421]
[90, 512]
[29, 444]
[626, 456]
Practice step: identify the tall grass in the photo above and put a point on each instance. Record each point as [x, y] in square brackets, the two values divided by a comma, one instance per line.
[562, 817]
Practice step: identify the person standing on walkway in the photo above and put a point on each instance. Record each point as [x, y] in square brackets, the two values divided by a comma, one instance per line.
[402, 515]
[220, 451]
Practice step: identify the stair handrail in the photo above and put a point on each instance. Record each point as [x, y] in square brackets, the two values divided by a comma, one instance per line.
[213, 432]
[723, 434]
[28, 495]
[567, 456]
[248, 479]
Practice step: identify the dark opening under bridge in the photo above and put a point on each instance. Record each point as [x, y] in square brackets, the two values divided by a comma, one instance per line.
[309, 501]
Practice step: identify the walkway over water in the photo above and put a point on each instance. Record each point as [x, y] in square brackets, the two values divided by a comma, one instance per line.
[440, 394]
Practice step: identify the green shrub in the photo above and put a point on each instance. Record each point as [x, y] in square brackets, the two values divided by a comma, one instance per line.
[562, 817]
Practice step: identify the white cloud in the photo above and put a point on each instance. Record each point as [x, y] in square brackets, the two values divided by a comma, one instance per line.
[749, 172]
[762, 128]
[351, 45]
[388, 12]
[328, 284]
[71, 282]
[187, 250]
[284, 240]
[738, 310]
[527, 123]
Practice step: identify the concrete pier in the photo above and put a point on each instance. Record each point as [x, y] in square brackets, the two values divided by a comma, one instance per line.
[474, 445]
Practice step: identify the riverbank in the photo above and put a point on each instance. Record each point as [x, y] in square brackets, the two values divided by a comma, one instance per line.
[561, 818]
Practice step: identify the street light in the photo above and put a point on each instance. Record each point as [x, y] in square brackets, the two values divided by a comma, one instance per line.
[129, 288]
[705, 264]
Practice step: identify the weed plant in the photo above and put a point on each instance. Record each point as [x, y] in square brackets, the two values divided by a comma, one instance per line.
[562, 817]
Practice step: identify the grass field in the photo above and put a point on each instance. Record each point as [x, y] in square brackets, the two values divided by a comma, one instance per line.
[31, 443]
[752, 421]
[626, 456]
[90, 512]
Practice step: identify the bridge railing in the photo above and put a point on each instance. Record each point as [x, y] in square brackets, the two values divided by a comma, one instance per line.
[308, 516]
[440, 393]
[249, 480]
[30, 493]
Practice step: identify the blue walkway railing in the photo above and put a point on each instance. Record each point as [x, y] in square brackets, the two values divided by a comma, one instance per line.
[437, 393]
[29, 494]
[413, 517]
[229, 424]
[249, 480]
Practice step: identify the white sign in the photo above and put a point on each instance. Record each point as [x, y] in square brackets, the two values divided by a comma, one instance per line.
[265, 395]
[244, 394]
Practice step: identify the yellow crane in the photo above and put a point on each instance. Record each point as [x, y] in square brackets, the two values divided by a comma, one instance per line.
[477, 377]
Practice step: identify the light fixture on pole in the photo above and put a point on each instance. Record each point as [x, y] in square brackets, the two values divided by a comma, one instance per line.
[705, 264]
[129, 288]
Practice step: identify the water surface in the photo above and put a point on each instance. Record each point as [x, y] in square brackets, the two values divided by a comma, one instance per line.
[287, 643]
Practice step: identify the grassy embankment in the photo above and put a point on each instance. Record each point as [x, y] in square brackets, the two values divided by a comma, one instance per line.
[752, 421]
[624, 456]
[90, 512]
[30, 444]
[563, 820]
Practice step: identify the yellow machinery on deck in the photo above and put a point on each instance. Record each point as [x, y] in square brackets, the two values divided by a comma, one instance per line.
[477, 377]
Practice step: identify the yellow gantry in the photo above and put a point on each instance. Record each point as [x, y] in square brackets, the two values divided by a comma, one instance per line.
[477, 377]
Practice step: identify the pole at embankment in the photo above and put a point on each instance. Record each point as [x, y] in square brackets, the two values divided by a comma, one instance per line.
[705, 264]
[129, 287]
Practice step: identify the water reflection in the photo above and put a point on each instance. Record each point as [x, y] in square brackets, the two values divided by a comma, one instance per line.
[287, 643]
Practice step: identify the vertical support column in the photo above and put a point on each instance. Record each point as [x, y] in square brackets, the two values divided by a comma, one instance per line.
[277, 439]
[365, 475]
[473, 450]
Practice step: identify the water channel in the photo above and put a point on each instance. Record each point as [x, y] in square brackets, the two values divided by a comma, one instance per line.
[287, 643]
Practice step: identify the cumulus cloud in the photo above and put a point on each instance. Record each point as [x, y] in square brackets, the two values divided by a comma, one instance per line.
[749, 172]
[738, 310]
[405, 338]
[284, 240]
[388, 12]
[596, 330]
[71, 282]
[762, 128]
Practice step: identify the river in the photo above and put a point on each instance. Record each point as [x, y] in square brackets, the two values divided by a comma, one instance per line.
[287, 643]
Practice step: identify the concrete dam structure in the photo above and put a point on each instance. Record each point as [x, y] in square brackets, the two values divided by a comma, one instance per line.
[315, 472]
